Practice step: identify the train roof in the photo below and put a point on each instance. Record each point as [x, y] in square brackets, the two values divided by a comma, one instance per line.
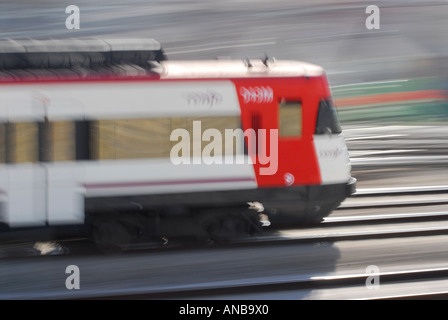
[201, 69]
[236, 69]
[127, 58]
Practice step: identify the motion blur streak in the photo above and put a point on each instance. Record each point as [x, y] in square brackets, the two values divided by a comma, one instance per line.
[390, 87]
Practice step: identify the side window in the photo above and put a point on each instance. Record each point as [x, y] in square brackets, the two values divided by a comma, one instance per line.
[130, 138]
[22, 141]
[220, 124]
[150, 138]
[327, 118]
[58, 141]
[290, 119]
[37, 141]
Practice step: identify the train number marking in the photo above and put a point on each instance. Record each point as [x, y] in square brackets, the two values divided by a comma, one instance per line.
[257, 94]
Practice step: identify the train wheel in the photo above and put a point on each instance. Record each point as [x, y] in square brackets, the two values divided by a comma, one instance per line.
[111, 236]
[228, 227]
[223, 230]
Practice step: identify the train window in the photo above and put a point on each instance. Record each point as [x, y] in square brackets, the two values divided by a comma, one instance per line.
[22, 140]
[59, 141]
[234, 145]
[2, 143]
[130, 138]
[150, 138]
[327, 118]
[290, 119]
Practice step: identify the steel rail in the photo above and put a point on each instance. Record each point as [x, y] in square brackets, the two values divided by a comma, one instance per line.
[213, 290]
[397, 161]
[400, 190]
[385, 217]
[331, 229]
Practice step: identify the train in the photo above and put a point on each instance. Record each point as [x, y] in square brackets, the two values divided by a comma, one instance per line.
[110, 139]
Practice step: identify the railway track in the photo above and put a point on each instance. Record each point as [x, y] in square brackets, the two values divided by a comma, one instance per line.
[380, 285]
[420, 283]
[396, 196]
[295, 286]
[398, 161]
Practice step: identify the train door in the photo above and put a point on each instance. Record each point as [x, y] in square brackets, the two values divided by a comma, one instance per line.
[65, 135]
[22, 178]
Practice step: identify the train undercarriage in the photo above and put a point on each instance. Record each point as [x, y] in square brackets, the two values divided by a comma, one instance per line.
[138, 220]
[121, 223]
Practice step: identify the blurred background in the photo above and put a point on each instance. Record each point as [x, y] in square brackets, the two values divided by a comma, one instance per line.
[390, 86]
[380, 67]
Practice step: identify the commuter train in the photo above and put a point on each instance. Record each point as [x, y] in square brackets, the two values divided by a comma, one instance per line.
[111, 139]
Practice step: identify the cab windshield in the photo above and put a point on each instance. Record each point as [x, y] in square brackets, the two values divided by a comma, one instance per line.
[327, 118]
